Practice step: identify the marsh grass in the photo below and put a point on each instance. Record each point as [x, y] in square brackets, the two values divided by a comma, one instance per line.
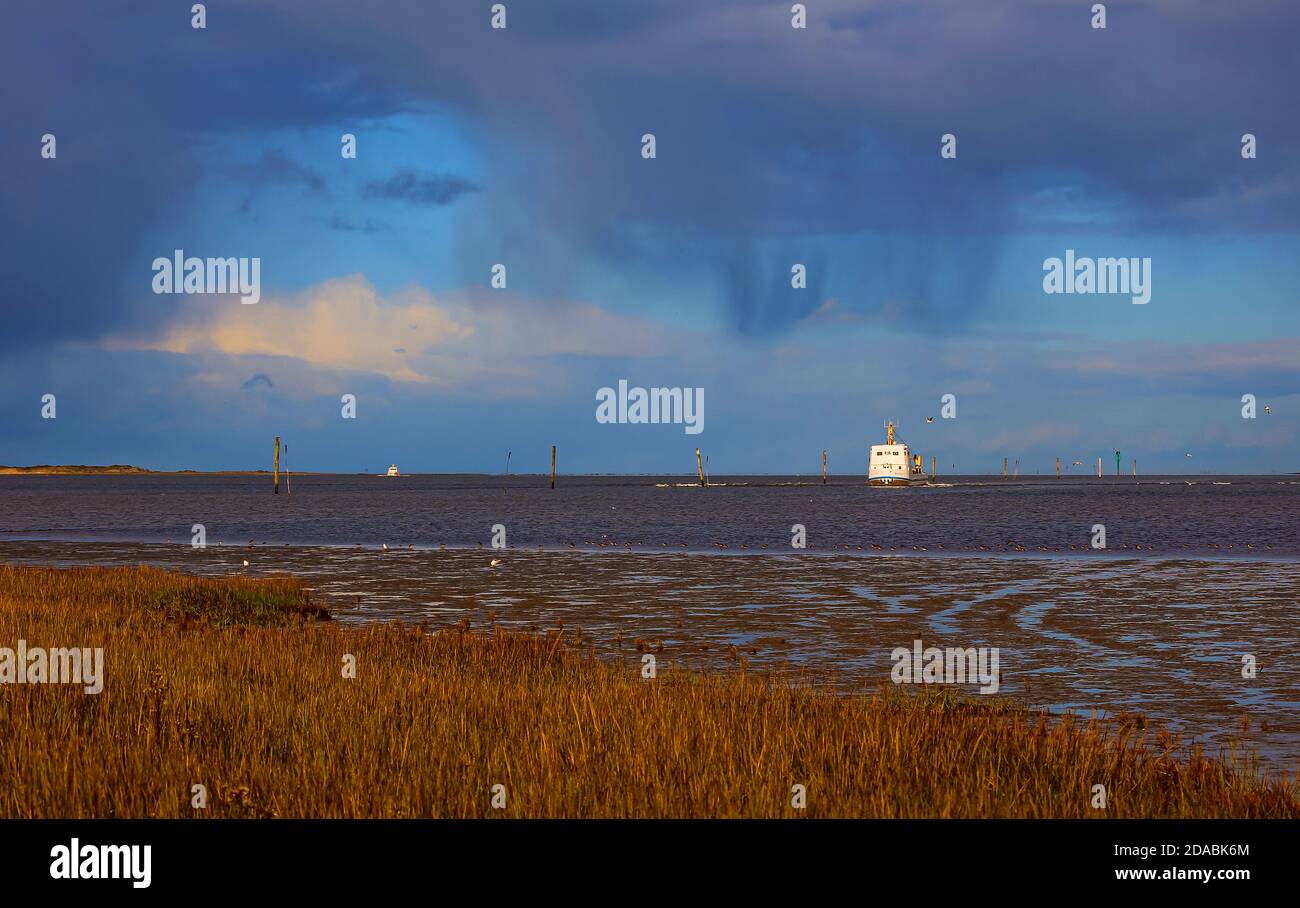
[238, 684]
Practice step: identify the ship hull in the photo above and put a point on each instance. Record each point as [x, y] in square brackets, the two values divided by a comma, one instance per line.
[889, 482]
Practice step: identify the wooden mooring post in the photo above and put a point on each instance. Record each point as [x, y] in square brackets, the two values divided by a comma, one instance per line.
[552, 466]
[699, 465]
[823, 466]
[277, 464]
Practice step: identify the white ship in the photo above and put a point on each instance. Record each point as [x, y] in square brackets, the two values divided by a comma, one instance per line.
[393, 471]
[892, 463]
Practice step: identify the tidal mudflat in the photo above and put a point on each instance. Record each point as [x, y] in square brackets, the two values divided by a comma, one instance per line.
[239, 697]
[1164, 637]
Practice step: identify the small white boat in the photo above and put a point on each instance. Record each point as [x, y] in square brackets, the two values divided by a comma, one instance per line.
[393, 471]
[892, 464]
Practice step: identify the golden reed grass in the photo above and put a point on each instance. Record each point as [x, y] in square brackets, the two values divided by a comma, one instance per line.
[237, 684]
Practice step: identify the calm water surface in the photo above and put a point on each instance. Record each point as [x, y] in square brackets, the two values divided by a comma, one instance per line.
[1200, 515]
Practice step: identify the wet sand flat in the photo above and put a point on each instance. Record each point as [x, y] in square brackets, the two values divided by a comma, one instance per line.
[1165, 637]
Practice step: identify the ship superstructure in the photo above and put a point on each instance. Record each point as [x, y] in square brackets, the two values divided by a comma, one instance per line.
[891, 464]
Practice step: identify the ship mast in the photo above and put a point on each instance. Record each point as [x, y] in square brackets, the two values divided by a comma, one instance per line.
[890, 440]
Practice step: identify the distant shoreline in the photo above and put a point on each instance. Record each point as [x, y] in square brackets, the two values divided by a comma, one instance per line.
[118, 469]
[128, 470]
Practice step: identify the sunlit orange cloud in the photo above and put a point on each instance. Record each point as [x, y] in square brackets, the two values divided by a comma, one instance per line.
[344, 324]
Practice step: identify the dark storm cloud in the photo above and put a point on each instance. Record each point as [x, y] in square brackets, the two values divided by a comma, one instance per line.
[133, 96]
[759, 296]
[419, 189]
[764, 132]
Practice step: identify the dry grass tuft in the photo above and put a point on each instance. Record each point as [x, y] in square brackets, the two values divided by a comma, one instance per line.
[238, 684]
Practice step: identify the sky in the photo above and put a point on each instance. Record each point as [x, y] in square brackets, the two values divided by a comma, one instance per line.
[775, 146]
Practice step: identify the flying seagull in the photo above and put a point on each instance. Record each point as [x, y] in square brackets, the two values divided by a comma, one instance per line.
[1267, 408]
[929, 419]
